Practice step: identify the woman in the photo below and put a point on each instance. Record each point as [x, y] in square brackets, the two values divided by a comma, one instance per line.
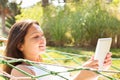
[26, 40]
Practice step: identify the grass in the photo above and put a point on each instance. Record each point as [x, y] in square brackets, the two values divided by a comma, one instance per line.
[1, 78]
[75, 61]
[88, 52]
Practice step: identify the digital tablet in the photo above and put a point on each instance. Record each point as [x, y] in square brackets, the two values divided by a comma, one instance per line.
[102, 48]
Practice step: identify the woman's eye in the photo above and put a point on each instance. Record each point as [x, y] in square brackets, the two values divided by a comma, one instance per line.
[36, 37]
[39, 36]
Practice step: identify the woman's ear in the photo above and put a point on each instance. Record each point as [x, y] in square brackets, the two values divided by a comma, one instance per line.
[20, 46]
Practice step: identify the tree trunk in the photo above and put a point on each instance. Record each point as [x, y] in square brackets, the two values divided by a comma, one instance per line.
[93, 42]
[114, 43]
[118, 41]
[45, 3]
[3, 21]
[65, 0]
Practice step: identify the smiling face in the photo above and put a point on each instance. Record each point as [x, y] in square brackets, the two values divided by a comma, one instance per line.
[34, 42]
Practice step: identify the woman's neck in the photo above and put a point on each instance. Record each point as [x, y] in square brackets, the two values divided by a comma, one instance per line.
[34, 59]
[37, 58]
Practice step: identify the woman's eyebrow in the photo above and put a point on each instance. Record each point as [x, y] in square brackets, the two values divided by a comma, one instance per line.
[36, 32]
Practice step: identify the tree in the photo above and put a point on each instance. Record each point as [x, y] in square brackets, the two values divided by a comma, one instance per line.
[4, 11]
[15, 10]
[8, 10]
[45, 3]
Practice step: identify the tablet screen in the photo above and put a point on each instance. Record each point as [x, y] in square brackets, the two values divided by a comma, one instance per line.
[102, 48]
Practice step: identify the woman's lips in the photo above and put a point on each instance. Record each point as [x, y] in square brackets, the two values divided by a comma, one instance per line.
[42, 47]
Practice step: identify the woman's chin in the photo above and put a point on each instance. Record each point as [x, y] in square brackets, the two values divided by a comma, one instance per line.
[42, 52]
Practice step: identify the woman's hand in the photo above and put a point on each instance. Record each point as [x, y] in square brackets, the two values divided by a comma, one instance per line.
[91, 63]
[107, 61]
[86, 74]
[94, 63]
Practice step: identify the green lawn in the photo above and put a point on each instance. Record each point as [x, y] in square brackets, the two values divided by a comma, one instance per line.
[1, 78]
[86, 52]
[57, 53]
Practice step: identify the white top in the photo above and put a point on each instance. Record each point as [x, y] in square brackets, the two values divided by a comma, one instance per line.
[40, 72]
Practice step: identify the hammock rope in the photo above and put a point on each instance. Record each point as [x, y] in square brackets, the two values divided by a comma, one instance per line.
[68, 56]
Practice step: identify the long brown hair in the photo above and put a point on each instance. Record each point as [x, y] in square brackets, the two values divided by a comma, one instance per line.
[16, 38]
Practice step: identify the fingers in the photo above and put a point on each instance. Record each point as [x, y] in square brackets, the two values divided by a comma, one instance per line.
[109, 55]
[108, 61]
[91, 64]
[108, 58]
[94, 63]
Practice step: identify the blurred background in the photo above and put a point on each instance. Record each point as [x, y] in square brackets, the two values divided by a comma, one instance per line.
[66, 22]
[72, 26]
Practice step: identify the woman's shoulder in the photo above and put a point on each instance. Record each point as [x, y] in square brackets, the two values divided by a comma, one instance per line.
[22, 67]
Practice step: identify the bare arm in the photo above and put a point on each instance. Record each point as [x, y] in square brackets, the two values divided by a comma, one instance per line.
[89, 75]
[85, 74]
[17, 73]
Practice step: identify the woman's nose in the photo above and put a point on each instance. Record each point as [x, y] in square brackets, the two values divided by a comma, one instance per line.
[42, 40]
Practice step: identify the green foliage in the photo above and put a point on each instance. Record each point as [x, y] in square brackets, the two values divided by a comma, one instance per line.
[102, 23]
[34, 12]
[115, 2]
[10, 21]
[85, 22]
[14, 10]
[81, 22]
[3, 78]
[93, 22]
[77, 22]
[56, 25]
[96, 21]
[3, 3]
[77, 28]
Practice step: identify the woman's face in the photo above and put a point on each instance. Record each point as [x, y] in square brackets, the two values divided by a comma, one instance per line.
[34, 42]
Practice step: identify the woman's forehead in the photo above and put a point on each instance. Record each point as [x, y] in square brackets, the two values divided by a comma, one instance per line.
[34, 29]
